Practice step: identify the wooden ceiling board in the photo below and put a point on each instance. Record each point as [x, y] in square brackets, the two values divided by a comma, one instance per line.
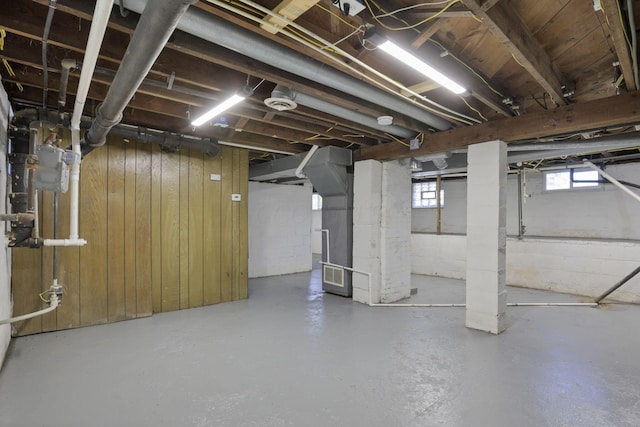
[568, 28]
[537, 14]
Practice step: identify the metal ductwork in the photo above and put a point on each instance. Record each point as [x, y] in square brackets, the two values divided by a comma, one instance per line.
[154, 28]
[281, 94]
[223, 33]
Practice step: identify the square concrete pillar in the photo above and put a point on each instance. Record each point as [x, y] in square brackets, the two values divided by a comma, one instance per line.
[486, 237]
[382, 231]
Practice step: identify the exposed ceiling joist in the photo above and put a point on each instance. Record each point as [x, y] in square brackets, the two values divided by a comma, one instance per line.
[289, 9]
[610, 9]
[508, 27]
[613, 111]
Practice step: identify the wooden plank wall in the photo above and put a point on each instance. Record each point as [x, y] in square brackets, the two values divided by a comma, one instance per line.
[161, 236]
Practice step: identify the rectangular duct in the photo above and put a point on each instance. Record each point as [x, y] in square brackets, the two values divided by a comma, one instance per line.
[331, 174]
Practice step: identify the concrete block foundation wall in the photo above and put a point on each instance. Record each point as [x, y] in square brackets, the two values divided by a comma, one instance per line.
[382, 211]
[576, 266]
[279, 217]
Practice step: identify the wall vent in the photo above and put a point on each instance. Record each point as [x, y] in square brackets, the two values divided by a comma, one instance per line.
[334, 276]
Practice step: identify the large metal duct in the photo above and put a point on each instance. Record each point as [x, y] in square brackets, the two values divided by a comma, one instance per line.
[282, 92]
[152, 32]
[223, 33]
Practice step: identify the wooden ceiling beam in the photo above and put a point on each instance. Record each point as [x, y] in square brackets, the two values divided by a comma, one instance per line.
[426, 34]
[613, 111]
[289, 9]
[611, 12]
[509, 28]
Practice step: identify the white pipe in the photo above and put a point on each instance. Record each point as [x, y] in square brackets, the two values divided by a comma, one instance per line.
[326, 231]
[613, 180]
[96, 35]
[53, 306]
[510, 304]
[304, 162]
[64, 242]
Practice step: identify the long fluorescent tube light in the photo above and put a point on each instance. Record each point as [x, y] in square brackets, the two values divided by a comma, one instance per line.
[418, 65]
[235, 99]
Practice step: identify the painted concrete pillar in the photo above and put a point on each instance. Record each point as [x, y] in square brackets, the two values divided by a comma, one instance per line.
[382, 231]
[486, 237]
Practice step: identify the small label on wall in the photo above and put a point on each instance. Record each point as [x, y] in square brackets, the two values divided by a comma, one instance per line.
[236, 197]
[215, 177]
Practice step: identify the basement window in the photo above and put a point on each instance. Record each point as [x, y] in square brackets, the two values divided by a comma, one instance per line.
[424, 195]
[570, 179]
[316, 202]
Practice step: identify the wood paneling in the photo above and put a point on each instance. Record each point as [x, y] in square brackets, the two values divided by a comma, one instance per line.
[162, 235]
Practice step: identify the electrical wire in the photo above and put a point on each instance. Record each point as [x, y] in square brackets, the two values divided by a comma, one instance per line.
[431, 40]
[397, 139]
[459, 117]
[474, 109]
[467, 66]
[408, 26]
[6, 64]
[356, 31]
[403, 9]
[336, 15]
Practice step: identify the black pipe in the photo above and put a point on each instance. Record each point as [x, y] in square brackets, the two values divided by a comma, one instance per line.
[20, 235]
[169, 142]
[617, 285]
[156, 24]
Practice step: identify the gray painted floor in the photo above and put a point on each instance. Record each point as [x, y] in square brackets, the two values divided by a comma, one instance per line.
[293, 356]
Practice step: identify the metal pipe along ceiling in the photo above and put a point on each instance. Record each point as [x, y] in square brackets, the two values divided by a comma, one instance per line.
[223, 33]
[336, 110]
[152, 32]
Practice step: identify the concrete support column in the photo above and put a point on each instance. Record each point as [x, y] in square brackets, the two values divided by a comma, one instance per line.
[382, 231]
[486, 237]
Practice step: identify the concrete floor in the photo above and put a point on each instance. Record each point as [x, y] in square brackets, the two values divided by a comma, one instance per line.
[293, 356]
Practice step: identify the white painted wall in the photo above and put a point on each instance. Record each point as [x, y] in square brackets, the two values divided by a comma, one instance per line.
[576, 266]
[316, 236]
[279, 229]
[381, 231]
[5, 254]
[605, 212]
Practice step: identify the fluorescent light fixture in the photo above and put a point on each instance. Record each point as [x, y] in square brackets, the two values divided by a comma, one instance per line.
[217, 110]
[418, 65]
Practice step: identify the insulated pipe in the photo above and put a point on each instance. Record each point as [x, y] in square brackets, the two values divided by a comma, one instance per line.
[336, 110]
[612, 180]
[223, 33]
[304, 162]
[154, 28]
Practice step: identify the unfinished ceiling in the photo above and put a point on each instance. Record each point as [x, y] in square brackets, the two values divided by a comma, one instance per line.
[531, 70]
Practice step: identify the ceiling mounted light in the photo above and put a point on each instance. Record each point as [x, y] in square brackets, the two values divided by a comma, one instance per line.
[417, 64]
[224, 106]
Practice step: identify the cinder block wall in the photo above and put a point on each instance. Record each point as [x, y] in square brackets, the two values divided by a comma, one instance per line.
[279, 229]
[575, 266]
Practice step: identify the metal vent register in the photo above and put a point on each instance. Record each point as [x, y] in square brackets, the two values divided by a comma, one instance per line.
[334, 276]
